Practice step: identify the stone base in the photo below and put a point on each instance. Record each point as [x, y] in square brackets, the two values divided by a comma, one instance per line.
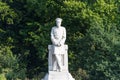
[52, 75]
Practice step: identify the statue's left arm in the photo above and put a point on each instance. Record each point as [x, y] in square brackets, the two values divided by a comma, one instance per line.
[62, 41]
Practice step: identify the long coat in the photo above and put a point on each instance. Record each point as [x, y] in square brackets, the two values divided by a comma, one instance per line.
[58, 36]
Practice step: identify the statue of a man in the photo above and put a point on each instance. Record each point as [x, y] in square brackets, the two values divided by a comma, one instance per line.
[58, 37]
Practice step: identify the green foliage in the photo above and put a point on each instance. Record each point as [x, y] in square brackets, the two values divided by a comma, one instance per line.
[92, 35]
[80, 74]
[7, 15]
[9, 64]
[2, 77]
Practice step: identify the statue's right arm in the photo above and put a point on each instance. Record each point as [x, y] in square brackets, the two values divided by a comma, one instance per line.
[54, 42]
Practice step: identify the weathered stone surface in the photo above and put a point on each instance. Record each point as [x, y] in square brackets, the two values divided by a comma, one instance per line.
[58, 76]
[58, 55]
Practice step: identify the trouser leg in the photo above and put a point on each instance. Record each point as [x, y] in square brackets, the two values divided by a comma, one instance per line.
[55, 65]
[58, 59]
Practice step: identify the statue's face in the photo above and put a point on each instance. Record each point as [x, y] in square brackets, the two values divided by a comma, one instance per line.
[58, 23]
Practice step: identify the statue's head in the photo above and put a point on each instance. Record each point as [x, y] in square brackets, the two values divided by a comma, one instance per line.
[58, 22]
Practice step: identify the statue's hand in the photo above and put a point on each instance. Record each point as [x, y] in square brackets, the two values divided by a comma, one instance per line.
[59, 45]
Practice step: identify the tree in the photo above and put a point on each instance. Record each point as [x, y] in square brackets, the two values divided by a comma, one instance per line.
[92, 35]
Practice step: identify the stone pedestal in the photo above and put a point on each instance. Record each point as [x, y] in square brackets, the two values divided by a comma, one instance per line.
[56, 75]
[51, 58]
[52, 75]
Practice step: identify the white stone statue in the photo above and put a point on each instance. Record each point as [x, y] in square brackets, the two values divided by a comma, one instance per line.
[58, 37]
[58, 54]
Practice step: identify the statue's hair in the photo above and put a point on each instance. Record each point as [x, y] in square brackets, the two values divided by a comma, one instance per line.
[58, 19]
